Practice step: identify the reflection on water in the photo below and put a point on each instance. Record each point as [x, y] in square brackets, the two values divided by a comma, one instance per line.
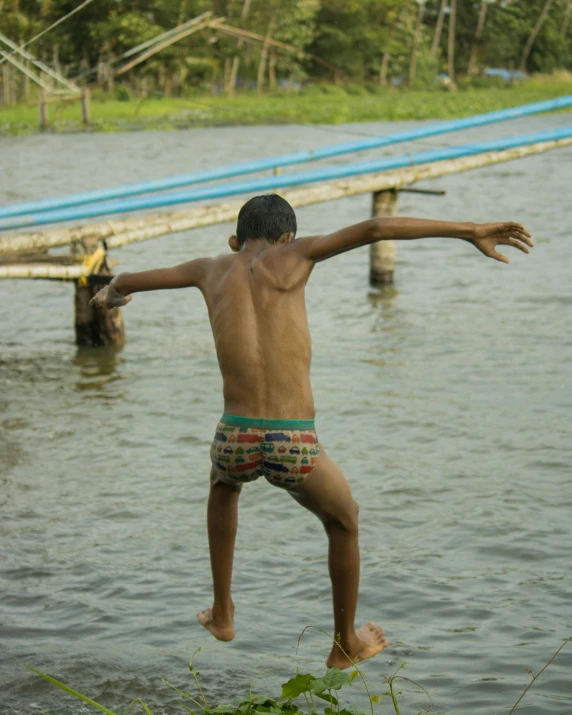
[444, 400]
[97, 368]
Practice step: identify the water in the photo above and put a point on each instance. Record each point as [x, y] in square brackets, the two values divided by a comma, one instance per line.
[446, 402]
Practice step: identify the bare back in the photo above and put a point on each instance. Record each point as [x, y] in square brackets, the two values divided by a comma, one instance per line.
[257, 311]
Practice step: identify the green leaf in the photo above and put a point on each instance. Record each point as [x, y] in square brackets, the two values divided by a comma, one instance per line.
[85, 699]
[272, 710]
[328, 698]
[259, 700]
[334, 679]
[353, 675]
[297, 685]
[223, 709]
[376, 699]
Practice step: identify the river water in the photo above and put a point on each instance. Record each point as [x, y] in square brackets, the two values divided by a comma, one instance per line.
[446, 401]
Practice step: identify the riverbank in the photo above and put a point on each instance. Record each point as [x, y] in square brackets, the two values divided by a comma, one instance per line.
[318, 104]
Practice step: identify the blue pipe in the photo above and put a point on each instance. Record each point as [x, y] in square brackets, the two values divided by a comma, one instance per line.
[227, 172]
[275, 182]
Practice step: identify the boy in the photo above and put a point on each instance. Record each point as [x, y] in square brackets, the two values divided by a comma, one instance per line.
[256, 305]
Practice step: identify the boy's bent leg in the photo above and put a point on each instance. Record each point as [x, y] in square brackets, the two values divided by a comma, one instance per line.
[326, 493]
[222, 522]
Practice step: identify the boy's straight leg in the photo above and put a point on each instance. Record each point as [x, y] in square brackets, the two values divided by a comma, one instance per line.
[222, 523]
[326, 493]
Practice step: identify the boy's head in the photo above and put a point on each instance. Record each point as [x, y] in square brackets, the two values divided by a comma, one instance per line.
[269, 217]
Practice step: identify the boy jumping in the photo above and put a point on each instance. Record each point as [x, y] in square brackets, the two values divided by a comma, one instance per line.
[256, 305]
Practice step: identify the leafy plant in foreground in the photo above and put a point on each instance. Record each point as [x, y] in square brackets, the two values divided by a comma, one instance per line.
[304, 685]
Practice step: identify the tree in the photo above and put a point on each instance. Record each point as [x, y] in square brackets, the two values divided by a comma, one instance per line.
[451, 44]
[533, 35]
[416, 38]
[438, 29]
[472, 68]
[566, 21]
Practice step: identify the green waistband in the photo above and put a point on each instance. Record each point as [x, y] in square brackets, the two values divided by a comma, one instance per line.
[234, 421]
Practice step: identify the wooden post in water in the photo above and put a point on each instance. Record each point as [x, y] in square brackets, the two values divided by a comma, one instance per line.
[94, 327]
[43, 107]
[85, 110]
[382, 253]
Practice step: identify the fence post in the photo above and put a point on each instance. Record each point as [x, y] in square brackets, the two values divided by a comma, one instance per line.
[43, 107]
[85, 113]
[382, 253]
[94, 327]
[6, 83]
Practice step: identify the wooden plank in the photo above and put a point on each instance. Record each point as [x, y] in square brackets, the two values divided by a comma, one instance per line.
[143, 228]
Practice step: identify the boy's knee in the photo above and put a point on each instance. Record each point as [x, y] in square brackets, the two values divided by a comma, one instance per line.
[346, 520]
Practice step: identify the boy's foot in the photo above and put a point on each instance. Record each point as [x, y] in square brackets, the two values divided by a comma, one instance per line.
[370, 640]
[224, 631]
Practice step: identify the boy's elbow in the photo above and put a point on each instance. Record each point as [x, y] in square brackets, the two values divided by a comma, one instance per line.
[378, 230]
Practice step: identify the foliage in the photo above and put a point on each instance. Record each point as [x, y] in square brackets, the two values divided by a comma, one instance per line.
[302, 685]
[350, 35]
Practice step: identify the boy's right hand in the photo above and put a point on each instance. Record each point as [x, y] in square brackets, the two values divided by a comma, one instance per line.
[110, 297]
[487, 236]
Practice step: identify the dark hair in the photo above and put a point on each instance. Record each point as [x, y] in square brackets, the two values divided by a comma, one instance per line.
[268, 217]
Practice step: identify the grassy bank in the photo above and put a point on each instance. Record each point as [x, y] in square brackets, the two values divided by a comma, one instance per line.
[319, 104]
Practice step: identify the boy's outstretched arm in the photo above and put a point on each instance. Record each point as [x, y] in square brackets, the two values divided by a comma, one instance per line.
[121, 288]
[485, 237]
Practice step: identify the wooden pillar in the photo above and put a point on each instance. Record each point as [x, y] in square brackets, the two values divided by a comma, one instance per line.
[6, 83]
[43, 107]
[85, 109]
[382, 253]
[95, 327]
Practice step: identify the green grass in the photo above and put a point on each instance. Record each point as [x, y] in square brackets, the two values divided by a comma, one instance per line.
[318, 104]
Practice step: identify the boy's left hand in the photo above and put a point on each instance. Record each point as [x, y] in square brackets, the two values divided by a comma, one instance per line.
[490, 235]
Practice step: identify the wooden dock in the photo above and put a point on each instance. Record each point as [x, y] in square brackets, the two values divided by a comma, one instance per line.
[25, 255]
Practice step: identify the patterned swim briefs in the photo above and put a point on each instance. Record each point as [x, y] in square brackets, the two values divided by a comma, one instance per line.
[283, 451]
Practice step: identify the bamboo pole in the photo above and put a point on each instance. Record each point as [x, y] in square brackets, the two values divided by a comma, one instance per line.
[382, 253]
[34, 77]
[42, 66]
[164, 35]
[44, 271]
[121, 233]
[237, 32]
[166, 43]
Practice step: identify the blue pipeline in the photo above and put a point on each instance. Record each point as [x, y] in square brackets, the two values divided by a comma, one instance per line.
[227, 172]
[275, 182]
